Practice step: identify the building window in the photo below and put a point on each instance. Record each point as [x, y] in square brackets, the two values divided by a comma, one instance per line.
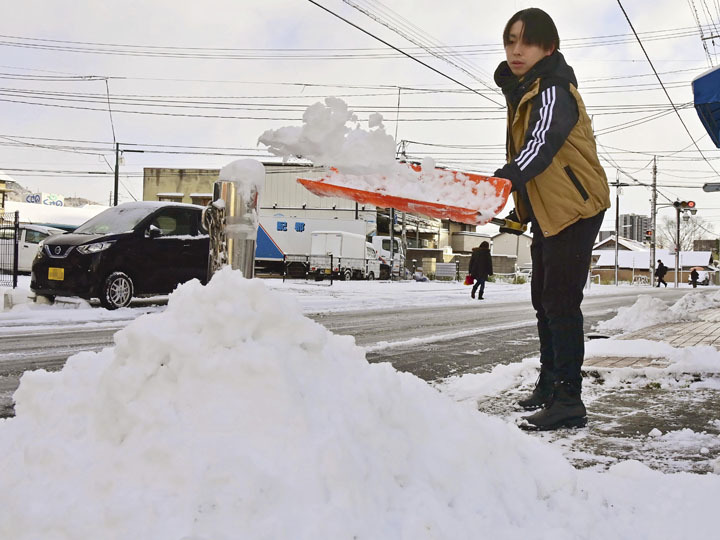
[203, 199]
[170, 197]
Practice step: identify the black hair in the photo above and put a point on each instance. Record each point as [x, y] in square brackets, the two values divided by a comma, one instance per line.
[484, 245]
[538, 29]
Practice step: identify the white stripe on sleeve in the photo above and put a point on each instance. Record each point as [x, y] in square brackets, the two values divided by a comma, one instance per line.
[538, 138]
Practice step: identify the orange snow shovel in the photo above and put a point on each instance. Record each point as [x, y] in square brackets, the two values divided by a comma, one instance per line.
[436, 210]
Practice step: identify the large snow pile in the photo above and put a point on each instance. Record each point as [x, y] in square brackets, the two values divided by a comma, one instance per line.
[230, 415]
[365, 160]
[648, 311]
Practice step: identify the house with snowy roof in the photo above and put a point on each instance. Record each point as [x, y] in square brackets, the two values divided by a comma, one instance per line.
[634, 264]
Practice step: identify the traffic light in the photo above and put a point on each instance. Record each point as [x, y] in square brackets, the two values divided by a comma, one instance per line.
[648, 235]
[685, 205]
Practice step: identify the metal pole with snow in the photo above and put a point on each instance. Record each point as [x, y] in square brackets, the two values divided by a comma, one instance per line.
[232, 217]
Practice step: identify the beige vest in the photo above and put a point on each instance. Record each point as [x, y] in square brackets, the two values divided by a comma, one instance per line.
[574, 185]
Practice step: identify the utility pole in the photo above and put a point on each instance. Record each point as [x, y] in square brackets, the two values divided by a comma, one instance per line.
[117, 173]
[117, 170]
[677, 243]
[653, 212]
[617, 185]
[392, 243]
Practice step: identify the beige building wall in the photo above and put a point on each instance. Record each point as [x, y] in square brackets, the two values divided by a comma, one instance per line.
[3, 189]
[464, 241]
[513, 244]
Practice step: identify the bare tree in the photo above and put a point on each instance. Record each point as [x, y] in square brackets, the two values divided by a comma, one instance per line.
[692, 229]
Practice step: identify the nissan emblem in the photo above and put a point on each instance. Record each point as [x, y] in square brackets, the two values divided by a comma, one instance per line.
[57, 250]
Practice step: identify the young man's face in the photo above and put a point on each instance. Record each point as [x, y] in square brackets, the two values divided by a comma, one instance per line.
[521, 57]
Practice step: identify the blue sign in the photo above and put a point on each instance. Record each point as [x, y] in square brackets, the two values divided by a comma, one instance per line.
[282, 225]
[265, 248]
[706, 91]
[299, 226]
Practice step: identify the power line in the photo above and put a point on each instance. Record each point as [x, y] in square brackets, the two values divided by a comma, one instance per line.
[403, 52]
[281, 53]
[112, 124]
[663, 87]
[434, 49]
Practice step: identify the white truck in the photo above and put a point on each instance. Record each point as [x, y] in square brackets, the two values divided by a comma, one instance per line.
[382, 246]
[342, 255]
[287, 240]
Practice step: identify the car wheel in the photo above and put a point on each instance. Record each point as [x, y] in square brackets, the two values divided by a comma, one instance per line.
[347, 275]
[371, 276]
[117, 291]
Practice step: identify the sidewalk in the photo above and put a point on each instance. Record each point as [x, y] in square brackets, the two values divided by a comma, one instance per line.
[705, 331]
[667, 420]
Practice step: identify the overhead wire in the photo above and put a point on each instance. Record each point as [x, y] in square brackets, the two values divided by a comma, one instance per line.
[410, 32]
[403, 52]
[663, 86]
[317, 53]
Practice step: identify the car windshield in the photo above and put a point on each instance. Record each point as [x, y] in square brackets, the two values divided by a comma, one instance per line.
[115, 220]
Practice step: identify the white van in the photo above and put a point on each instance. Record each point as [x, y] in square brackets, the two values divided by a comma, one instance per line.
[28, 241]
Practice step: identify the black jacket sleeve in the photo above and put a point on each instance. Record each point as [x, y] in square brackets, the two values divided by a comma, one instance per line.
[553, 115]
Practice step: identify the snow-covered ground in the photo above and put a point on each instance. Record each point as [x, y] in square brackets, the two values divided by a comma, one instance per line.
[198, 427]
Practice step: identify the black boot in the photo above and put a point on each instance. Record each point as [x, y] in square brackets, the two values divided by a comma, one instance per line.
[565, 409]
[541, 394]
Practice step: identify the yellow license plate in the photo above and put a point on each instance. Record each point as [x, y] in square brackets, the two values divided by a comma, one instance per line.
[328, 271]
[56, 274]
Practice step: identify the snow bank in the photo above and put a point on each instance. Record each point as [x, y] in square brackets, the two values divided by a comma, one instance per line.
[230, 415]
[648, 311]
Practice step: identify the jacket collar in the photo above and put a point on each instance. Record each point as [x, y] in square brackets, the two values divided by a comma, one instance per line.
[553, 66]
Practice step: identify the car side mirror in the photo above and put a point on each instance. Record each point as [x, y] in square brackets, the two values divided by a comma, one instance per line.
[152, 232]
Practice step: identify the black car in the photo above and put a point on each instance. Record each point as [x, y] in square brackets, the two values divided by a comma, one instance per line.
[134, 249]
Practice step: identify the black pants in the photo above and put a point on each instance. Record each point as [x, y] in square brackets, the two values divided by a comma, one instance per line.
[560, 266]
[661, 279]
[479, 283]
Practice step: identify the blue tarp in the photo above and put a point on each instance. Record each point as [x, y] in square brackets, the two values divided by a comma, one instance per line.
[706, 89]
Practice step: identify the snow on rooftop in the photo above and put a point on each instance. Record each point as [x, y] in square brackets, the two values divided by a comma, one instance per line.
[72, 216]
[640, 260]
[632, 245]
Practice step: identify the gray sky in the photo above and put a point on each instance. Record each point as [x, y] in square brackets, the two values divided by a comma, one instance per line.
[217, 74]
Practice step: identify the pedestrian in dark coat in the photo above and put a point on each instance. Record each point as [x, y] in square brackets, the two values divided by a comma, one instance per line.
[480, 268]
[694, 278]
[660, 272]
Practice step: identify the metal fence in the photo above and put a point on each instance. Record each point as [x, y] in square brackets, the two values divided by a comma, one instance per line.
[9, 238]
[447, 271]
[320, 267]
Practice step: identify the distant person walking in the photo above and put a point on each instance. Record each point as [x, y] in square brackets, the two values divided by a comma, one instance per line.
[694, 276]
[660, 272]
[480, 268]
